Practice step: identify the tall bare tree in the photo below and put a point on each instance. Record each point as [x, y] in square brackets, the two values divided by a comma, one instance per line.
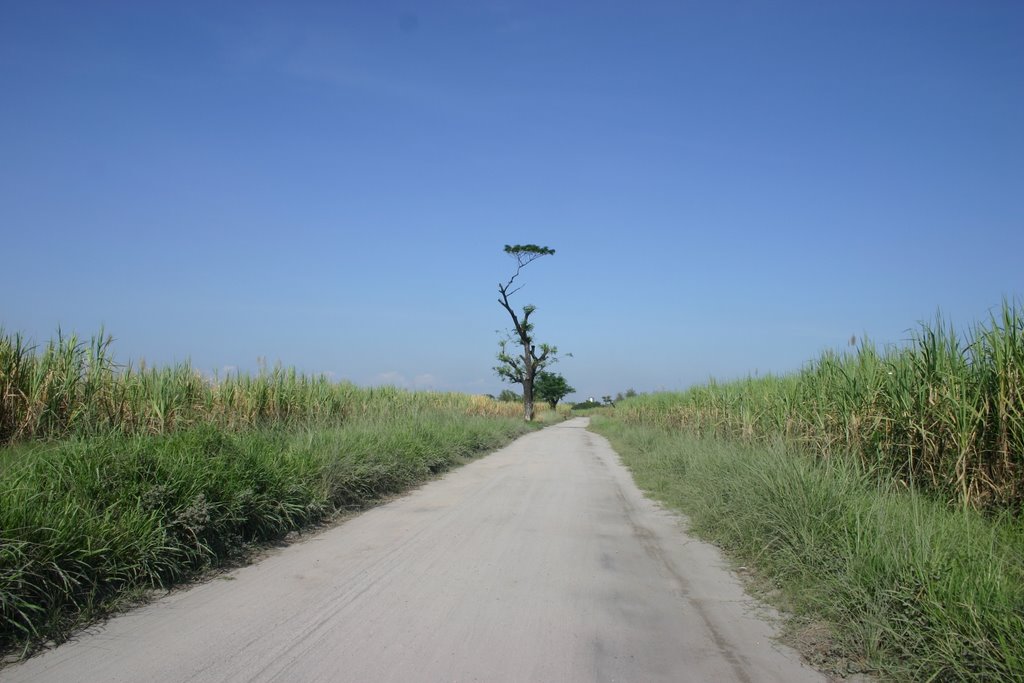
[522, 366]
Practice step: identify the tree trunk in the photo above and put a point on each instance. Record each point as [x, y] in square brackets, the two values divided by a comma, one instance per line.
[528, 399]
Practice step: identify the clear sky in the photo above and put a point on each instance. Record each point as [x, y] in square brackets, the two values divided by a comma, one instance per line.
[731, 187]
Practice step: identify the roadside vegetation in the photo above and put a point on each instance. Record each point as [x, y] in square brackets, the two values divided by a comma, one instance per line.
[75, 387]
[876, 494]
[116, 480]
[944, 413]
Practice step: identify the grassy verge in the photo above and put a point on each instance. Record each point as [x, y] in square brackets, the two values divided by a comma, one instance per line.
[943, 413]
[117, 478]
[901, 583]
[88, 520]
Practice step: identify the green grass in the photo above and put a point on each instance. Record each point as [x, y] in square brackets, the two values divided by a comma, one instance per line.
[86, 521]
[70, 387]
[880, 491]
[944, 413]
[903, 584]
[115, 479]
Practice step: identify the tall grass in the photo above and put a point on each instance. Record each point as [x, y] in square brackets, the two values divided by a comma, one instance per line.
[73, 387]
[943, 413]
[116, 479]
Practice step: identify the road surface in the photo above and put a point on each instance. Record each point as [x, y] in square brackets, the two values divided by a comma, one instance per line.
[541, 562]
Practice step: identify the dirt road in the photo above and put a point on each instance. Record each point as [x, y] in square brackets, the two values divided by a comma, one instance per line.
[541, 562]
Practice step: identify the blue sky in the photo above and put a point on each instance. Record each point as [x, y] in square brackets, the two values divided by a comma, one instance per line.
[731, 187]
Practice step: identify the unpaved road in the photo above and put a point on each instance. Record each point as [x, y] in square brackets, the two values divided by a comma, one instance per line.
[541, 562]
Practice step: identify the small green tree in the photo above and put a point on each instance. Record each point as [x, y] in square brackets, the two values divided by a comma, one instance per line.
[509, 396]
[552, 388]
[521, 367]
[589, 403]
